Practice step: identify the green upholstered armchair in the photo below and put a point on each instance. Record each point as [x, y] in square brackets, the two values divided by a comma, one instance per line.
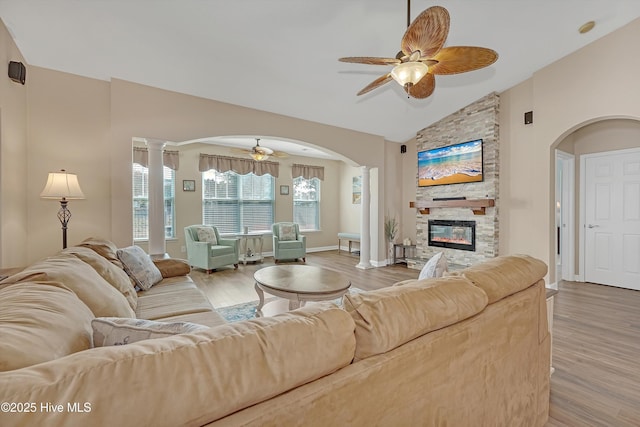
[288, 243]
[207, 250]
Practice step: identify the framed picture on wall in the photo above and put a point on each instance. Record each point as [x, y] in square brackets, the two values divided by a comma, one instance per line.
[284, 190]
[188, 185]
[357, 190]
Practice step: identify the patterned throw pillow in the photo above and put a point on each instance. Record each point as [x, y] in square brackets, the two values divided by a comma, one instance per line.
[287, 231]
[120, 331]
[207, 234]
[435, 267]
[139, 267]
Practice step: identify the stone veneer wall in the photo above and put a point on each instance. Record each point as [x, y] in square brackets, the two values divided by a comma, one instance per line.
[476, 121]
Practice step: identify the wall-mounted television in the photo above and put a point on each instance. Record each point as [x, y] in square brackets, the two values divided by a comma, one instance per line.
[453, 164]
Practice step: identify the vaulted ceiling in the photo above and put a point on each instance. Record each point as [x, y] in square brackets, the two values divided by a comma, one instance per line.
[282, 56]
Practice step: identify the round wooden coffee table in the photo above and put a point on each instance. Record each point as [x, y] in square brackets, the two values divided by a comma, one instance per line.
[299, 283]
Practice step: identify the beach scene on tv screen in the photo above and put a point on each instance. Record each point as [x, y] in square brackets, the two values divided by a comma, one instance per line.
[452, 164]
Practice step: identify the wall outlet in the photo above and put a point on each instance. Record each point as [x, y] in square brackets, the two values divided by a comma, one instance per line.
[183, 249]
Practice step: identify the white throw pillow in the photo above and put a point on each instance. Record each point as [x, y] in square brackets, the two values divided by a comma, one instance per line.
[207, 234]
[120, 331]
[435, 267]
[287, 232]
[139, 267]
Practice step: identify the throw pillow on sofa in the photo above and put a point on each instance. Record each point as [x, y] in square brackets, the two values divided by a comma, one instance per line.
[435, 267]
[139, 267]
[120, 331]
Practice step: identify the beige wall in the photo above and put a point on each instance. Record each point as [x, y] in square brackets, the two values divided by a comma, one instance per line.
[68, 129]
[579, 89]
[349, 212]
[13, 158]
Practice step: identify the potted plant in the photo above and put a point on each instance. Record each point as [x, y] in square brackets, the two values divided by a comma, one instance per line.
[390, 231]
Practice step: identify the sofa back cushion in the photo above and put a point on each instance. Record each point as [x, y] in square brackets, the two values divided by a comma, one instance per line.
[103, 247]
[207, 374]
[102, 298]
[390, 317]
[116, 276]
[505, 275]
[41, 321]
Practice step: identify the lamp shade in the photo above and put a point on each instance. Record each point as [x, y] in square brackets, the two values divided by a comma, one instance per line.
[62, 185]
[409, 72]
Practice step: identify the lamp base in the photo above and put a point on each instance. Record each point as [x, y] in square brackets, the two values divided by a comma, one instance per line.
[64, 215]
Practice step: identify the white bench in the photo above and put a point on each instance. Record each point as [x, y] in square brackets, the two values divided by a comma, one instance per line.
[351, 237]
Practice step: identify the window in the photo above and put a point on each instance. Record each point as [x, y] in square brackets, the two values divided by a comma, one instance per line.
[231, 201]
[306, 203]
[141, 202]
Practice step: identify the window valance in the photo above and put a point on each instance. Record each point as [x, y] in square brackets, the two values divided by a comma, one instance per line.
[238, 165]
[170, 159]
[307, 171]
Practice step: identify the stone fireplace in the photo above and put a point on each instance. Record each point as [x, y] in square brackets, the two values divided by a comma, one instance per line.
[450, 234]
[462, 202]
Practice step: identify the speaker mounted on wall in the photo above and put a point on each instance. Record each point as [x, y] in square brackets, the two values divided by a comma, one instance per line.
[17, 72]
[403, 148]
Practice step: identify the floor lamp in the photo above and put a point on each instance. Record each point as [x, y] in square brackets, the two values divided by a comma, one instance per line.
[62, 186]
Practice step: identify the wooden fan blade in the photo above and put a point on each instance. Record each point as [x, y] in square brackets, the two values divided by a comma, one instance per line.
[424, 88]
[460, 59]
[280, 154]
[427, 33]
[376, 83]
[370, 60]
[240, 151]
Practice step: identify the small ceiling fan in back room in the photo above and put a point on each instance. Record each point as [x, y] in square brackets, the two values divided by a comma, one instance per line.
[260, 153]
[423, 56]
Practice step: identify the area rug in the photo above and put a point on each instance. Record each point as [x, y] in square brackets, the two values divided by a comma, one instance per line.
[247, 310]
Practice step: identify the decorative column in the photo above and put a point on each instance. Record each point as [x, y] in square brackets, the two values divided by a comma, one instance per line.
[157, 244]
[365, 221]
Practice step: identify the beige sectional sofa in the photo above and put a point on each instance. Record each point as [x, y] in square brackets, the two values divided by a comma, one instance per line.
[466, 350]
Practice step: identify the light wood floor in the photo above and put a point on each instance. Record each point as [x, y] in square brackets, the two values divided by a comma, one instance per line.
[596, 354]
[596, 345]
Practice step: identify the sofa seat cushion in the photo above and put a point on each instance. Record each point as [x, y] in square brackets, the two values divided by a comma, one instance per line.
[505, 275]
[222, 250]
[41, 321]
[171, 303]
[116, 276]
[206, 318]
[171, 284]
[390, 317]
[102, 298]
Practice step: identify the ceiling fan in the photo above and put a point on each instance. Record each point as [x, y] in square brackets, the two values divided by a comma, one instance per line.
[422, 55]
[260, 153]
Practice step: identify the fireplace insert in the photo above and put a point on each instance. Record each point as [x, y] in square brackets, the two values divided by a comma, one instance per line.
[453, 234]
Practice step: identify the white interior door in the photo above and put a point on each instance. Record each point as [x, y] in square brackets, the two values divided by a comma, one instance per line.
[612, 218]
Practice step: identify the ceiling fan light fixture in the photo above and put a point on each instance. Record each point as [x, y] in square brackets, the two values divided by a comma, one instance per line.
[258, 156]
[409, 72]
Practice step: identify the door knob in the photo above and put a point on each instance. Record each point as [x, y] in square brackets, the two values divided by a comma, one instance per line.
[593, 225]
